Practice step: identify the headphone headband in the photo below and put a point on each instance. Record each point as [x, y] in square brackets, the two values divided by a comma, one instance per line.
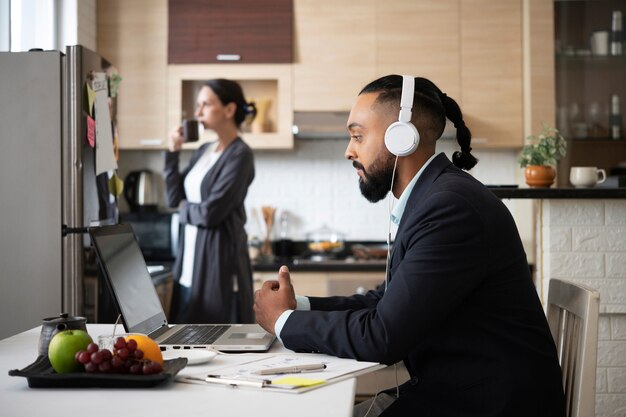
[406, 101]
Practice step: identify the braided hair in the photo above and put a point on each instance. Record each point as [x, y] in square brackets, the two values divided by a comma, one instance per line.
[431, 107]
[229, 91]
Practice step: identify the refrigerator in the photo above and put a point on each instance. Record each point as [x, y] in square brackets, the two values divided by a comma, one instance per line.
[57, 177]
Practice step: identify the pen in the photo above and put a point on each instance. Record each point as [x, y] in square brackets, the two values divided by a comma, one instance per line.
[291, 369]
[234, 382]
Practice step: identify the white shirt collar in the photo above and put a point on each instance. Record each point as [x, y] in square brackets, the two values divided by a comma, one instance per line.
[398, 210]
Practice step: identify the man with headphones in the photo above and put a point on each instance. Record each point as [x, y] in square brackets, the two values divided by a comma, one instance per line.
[458, 305]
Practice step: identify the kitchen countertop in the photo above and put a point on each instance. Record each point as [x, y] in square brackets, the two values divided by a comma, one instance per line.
[334, 265]
[559, 193]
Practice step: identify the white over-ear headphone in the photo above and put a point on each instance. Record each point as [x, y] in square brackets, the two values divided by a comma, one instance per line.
[401, 137]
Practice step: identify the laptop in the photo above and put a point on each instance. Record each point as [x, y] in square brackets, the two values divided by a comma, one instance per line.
[127, 276]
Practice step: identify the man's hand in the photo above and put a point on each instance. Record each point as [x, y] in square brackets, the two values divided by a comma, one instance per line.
[273, 299]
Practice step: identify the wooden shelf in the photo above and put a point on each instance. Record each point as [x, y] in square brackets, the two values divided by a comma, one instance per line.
[562, 59]
[270, 82]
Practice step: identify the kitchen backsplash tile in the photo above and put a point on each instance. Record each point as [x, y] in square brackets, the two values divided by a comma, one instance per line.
[317, 186]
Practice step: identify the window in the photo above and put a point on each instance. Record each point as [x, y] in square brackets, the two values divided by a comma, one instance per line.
[46, 24]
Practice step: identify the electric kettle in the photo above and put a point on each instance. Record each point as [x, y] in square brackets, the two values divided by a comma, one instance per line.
[142, 190]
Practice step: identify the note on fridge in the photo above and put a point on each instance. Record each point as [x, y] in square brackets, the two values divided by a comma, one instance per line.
[105, 159]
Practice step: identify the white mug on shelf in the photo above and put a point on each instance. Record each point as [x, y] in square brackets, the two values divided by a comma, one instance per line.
[582, 177]
[600, 42]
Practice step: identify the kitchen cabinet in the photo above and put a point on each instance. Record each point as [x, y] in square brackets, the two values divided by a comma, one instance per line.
[154, 97]
[472, 49]
[342, 46]
[491, 71]
[334, 53]
[133, 36]
[586, 80]
[420, 38]
[246, 31]
[269, 84]
[324, 284]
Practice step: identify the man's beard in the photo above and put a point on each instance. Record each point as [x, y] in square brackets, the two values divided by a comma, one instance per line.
[377, 182]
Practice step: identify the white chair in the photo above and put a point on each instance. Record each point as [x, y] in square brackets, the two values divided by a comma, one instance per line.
[573, 319]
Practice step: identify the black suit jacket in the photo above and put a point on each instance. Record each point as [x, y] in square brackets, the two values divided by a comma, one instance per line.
[460, 310]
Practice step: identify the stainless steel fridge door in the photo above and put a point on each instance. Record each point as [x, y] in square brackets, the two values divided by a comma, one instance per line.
[87, 201]
[31, 88]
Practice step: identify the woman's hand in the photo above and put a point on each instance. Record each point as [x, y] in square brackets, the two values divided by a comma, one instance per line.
[176, 140]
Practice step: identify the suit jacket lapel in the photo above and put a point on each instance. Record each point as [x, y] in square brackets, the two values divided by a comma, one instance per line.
[423, 184]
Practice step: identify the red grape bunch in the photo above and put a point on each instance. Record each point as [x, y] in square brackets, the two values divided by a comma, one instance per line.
[125, 359]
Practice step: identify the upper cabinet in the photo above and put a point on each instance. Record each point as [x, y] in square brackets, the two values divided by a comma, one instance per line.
[334, 52]
[472, 49]
[419, 38]
[343, 45]
[307, 55]
[133, 36]
[246, 31]
[155, 96]
[491, 71]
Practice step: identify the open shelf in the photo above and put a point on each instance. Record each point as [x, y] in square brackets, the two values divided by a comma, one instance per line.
[269, 86]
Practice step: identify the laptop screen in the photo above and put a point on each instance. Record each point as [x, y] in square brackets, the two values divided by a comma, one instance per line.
[127, 274]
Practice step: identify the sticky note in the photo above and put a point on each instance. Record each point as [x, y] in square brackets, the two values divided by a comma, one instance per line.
[297, 381]
[91, 97]
[91, 131]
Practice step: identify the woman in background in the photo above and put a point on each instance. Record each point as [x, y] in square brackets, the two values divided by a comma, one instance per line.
[212, 269]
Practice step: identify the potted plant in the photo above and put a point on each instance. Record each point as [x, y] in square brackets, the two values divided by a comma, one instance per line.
[539, 156]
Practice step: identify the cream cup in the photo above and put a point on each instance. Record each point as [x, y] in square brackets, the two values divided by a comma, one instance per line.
[583, 177]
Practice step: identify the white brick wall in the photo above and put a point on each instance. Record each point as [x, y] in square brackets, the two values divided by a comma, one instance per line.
[585, 241]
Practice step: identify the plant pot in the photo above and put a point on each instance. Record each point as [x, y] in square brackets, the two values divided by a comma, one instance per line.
[539, 176]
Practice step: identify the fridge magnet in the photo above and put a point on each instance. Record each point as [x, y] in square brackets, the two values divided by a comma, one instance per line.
[114, 81]
[91, 131]
[116, 185]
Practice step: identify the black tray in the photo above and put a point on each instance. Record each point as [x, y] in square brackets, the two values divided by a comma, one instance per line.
[41, 375]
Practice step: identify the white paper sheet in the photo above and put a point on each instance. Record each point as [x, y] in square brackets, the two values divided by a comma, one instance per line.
[105, 159]
[336, 369]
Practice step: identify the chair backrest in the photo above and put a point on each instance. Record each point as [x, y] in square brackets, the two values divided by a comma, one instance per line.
[573, 318]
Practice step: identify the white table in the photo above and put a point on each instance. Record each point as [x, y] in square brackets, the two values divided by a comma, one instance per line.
[168, 399]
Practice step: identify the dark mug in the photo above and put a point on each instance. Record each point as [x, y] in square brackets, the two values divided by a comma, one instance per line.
[53, 325]
[190, 130]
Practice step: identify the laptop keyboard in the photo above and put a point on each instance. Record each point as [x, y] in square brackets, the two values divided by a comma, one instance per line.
[196, 335]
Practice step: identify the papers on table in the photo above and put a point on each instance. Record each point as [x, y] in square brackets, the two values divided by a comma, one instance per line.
[247, 374]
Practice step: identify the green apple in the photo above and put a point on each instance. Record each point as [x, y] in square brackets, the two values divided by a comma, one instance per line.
[64, 346]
